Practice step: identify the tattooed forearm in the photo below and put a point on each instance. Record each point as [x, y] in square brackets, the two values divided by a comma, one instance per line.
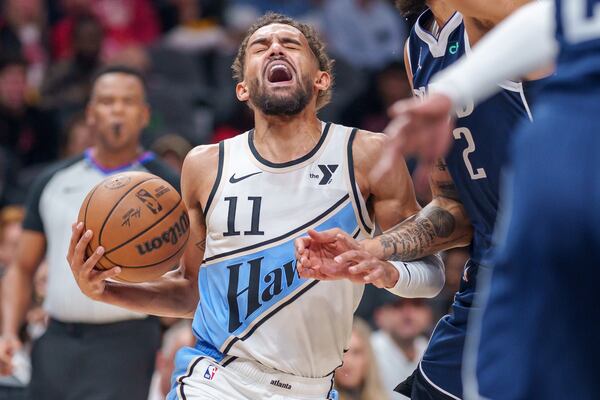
[415, 237]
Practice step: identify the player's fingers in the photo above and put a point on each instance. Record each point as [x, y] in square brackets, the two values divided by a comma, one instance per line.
[91, 262]
[79, 254]
[109, 273]
[300, 244]
[327, 236]
[348, 256]
[374, 277]
[76, 229]
[361, 268]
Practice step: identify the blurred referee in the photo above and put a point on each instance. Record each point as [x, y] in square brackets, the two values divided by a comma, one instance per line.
[91, 350]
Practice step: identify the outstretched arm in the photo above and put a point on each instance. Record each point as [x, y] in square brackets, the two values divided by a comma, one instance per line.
[175, 294]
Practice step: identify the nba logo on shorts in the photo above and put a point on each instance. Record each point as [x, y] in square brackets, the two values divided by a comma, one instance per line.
[210, 373]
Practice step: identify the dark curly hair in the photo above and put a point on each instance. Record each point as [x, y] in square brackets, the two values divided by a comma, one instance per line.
[315, 43]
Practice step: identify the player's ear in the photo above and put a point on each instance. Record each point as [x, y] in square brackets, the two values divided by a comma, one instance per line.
[323, 81]
[241, 91]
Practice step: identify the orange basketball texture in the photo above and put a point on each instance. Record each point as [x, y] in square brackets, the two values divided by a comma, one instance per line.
[141, 222]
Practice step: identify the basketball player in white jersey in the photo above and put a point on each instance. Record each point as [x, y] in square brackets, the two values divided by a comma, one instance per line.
[262, 331]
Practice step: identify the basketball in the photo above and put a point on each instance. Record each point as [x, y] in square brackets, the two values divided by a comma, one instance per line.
[141, 222]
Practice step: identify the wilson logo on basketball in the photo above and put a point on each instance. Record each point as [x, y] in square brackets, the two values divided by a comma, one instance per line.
[146, 197]
[171, 236]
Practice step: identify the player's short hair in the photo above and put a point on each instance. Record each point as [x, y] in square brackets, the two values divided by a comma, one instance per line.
[120, 69]
[409, 8]
[316, 45]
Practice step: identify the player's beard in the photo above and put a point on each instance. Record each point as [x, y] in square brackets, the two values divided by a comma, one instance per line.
[411, 7]
[287, 104]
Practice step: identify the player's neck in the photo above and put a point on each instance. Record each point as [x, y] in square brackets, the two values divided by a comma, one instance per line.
[108, 158]
[442, 12]
[283, 139]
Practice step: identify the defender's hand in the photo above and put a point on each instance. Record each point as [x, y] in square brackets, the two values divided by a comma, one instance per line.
[9, 345]
[418, 127]
[90, 280]
[369, 269]
[316, 253]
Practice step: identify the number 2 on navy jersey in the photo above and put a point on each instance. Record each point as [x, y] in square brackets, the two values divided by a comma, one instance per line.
[466, 133]
[581, 19]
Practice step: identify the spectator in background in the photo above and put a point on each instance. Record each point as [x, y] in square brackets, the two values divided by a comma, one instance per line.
[367, 34]
[198, 26]
[68, 82]
[78, 136]
[358, 378]
[28, 132]
[177, 336]
[125, 23]
[172, 149]
[400, 342]
[23, 33]
[391, 85]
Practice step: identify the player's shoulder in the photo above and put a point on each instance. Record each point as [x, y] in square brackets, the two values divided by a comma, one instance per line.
[368, 146]
[201, 166]
[206, 156]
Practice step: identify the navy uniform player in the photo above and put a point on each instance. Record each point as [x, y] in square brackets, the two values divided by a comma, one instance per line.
[465, 185]
[262, 331]
[537, 335]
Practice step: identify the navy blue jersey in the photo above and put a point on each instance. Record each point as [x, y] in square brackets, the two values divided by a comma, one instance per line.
[537, 337]
[482, 134]
[578, 33]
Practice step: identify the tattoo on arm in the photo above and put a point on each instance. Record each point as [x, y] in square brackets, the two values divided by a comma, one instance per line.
[413, 238]
[201, 244]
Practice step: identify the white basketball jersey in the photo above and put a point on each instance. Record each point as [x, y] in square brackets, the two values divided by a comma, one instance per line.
[253, 304]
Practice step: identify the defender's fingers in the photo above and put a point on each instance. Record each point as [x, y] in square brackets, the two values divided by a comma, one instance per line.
[91, 262]
[349, 256]
[361, 268]
[374, 277]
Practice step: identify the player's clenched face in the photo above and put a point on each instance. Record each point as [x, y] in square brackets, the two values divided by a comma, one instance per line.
[117, 111]
[281, 75]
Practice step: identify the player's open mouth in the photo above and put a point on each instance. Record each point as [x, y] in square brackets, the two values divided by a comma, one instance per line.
[279, 73]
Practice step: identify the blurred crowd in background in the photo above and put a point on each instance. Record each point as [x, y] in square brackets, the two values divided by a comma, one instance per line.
[49, 51]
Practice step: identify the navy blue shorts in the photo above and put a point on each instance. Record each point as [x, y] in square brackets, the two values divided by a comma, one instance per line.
[538, 337]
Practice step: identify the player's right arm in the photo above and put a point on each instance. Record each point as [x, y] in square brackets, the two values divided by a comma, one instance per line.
[17, 288]
[175, 294]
